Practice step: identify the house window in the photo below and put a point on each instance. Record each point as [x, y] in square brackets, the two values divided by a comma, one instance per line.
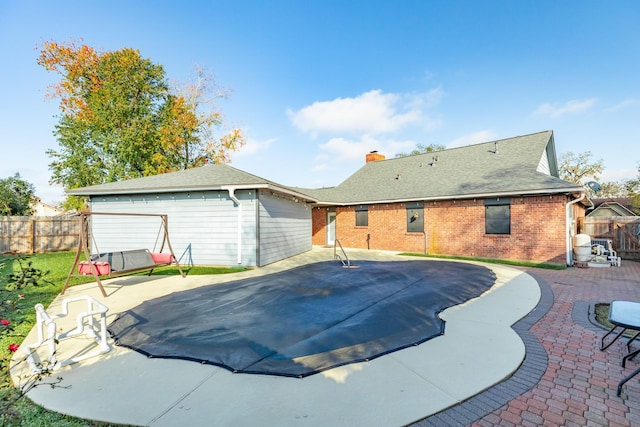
[497, 216]
[415, 217]
[362, 216]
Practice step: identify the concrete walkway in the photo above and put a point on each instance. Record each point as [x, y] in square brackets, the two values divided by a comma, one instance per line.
[479, 349]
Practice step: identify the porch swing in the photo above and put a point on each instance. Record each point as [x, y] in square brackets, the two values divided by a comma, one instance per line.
[119, 263]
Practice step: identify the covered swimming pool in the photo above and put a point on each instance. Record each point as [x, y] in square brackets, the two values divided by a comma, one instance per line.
[305, 320]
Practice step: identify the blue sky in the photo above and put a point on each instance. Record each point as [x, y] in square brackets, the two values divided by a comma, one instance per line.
[317, 84]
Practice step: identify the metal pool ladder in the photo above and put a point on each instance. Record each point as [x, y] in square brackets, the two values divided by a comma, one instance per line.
[346, 262]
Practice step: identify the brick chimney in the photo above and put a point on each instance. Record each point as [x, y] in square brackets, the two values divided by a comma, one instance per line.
[374, 156]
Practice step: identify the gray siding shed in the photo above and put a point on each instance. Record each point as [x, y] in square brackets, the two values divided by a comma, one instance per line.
[203, 226]
[285, 227]
[218, 215]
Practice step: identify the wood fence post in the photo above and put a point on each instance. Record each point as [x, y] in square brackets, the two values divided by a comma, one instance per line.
[33, 234]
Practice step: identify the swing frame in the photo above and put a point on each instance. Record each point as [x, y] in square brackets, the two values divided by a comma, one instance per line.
[85, 249]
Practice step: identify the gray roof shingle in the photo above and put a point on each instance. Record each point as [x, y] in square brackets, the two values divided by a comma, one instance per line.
[521, 165]
[472, 171]
[209, 177]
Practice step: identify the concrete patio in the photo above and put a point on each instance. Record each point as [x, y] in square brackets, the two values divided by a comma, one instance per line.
[546, 369]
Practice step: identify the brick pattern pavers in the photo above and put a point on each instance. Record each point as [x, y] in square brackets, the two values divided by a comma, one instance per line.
[565, 379]
[579, 385]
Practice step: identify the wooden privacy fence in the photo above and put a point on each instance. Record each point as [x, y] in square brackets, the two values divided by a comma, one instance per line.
[624, 231]
[29, 234]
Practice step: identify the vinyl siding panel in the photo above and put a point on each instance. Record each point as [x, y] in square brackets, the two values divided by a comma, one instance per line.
[203, 226]
[543, 166]
[285, 227]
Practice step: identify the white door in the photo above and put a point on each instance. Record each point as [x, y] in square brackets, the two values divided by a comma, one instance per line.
[331, 228]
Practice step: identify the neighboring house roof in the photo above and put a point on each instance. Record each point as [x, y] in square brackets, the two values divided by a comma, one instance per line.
[524, 165]
[205, 178]
[41, 208]
[612, 207]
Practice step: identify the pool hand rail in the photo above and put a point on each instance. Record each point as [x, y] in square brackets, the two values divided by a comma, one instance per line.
[337, 243]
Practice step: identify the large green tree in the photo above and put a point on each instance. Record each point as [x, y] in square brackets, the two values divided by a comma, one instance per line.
[633, 190]
[612, 189]
[121, 119]
[200, 95]
[16, 196]
[581, 167]
[578, 167]
[422, 149]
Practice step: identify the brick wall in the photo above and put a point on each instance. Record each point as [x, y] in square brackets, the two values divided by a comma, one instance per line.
[457, 228]
[319, 226]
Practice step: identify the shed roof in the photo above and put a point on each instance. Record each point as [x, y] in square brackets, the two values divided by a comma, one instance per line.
[205, 178]
[523, 165]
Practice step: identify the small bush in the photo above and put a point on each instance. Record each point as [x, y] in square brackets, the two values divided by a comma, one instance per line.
[17, 274]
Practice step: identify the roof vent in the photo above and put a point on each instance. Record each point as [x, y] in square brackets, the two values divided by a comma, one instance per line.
[495, 148]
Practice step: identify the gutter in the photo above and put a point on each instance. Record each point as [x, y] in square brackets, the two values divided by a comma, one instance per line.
[88, 191]
[542, 192]
[569, 227]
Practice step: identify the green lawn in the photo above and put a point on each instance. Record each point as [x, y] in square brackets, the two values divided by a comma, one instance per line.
[492, 261]
[17, 305]
[601, 312]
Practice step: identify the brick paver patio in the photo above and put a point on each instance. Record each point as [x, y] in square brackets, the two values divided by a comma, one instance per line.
[565, 379]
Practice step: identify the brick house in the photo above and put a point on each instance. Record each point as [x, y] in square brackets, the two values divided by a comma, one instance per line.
[501, 199]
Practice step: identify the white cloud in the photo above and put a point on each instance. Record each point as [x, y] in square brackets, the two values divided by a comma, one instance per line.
[427, 100]
[569, 107]
[372, 112]
[321, 163]
[320, 167]
[618, 174]
[473, 138]
[253, 146]
[322, 157]
[343, 150]
[627, 103]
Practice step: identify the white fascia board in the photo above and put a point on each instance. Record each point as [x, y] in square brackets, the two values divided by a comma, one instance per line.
[157, 190]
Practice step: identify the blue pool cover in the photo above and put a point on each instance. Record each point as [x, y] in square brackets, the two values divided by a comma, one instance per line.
[305, 320]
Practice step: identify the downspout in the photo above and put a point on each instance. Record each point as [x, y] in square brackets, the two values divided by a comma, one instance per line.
[425, 242]
[569, 227]
[232, 196]
[257, 220]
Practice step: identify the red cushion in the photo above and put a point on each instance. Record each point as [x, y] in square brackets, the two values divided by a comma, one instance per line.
[162, 258]
[104, 269]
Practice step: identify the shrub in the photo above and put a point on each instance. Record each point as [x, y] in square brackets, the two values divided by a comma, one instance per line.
[12, 315]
